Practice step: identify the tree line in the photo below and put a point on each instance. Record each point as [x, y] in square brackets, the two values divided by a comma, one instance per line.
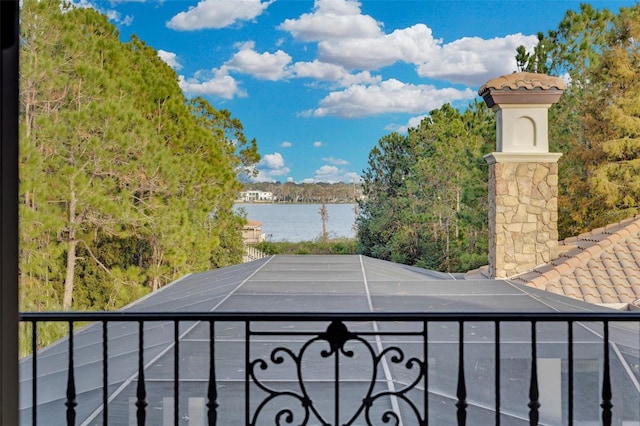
[426, 192]
[125, 184]
[291, 192]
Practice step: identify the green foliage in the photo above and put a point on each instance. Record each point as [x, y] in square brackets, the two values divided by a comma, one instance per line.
[538, 61]
[597, 122]
[616, 178]
[269, 247]
[241, 153]
[426, 193]
[47, 332]
[125, 185]
[330, 246]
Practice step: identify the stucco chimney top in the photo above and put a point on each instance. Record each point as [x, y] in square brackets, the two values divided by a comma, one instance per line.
[522, 88]
[523, 174]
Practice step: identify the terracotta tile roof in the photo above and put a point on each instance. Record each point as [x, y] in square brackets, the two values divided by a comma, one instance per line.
[601, 266]
[524, 80]
[253, 224]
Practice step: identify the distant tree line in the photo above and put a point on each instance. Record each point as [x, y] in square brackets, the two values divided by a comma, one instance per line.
[426, 192]
[125, 184]
[316, 193]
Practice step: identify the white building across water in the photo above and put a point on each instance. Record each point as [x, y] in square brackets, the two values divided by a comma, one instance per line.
[256, 196]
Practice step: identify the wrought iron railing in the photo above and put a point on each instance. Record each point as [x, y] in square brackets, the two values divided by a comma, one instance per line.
[388, 360]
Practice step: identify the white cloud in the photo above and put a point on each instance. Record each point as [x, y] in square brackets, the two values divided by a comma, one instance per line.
[413, 122]
[473, 61]
[265, 66]
[350, 40]
[319, 70]
[170, 58]
[127, 20]
[271, 167]
[351, 177]
[286, 144]
[332, 19]
[389, 96]
[327, 173]
[218, 82]
[111, 14]
[115, 16]
[217, 14]
[414, 44]
[272, 161]
[317, 144]
[333, 174]
[363, 77]
[335, 161]
[324, 71]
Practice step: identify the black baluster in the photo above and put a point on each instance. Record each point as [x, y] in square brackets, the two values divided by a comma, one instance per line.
[105, 375]
[462, 387]
[606, 381]
[34, 372]
[534, 393]
[570, 372]
[247, 402]
[336, 368]
[141, 393]
[425, 327]
[176, 371]
[212, 392]
[71, 385]
[497, 373]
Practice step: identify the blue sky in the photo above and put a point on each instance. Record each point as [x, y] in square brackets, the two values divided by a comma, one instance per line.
[318, 83]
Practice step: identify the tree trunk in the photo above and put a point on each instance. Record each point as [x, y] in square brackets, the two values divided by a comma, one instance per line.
[447, 245]
[457, 212]
[324, 216]
[71, 255]
[156, 260]
[68, 281]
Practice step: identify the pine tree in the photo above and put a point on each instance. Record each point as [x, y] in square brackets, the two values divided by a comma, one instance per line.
[426, 192]
[616, 180]
[114, 159]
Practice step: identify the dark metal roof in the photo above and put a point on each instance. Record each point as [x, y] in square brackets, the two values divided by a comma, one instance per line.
[345, 284]
[306, 284]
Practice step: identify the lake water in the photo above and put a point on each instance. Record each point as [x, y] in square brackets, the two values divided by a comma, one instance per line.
[301, 222]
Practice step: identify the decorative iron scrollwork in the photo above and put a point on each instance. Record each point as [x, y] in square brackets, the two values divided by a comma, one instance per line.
[341, 343]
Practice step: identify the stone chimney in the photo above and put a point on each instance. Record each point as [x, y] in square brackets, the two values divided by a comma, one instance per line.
[523, 174]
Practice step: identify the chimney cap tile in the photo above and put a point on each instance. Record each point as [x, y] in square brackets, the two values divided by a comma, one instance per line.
[522, 88]
[523, 80]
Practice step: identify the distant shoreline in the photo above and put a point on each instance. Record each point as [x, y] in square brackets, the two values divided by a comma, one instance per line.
[296, 222]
